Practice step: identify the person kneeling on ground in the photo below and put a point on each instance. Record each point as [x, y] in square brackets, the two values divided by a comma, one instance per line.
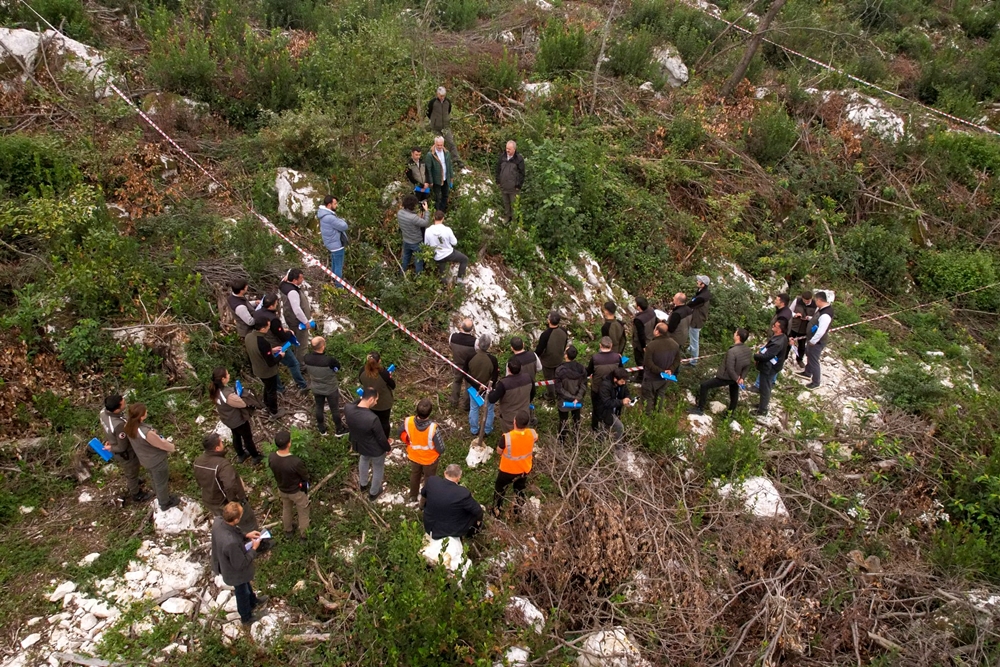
[442, 239]
[449, 508]
[731, 372]
[233, 555]
[612, 397]
[424, 446]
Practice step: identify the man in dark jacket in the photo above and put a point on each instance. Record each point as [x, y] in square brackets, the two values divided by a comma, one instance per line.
[571, 387]
[441, 172]
[531, 365]
[819, 332]
[449, 508]
[278, 335]
[613, 327]
[325, 386]
[368, 439]
[116, 442]
[601, 365]
[510, 178]
[416, 174]
[642, 330]
[241, 306]
[220, 483]
[781, 312]
[769, 361]
[663, 355]
[297, 309]
[731, 373]
[699, 304]
[679, 320]
[612, 397]
[264, 360]
[803, 308]
[463, 348]
[439, 115]
[484, 368]
[512, 394]
[233, 555]
[551, 350]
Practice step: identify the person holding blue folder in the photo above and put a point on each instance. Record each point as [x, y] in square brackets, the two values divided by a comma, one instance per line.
[661, 359]
[117, 443]
[571, 387]
[485, 369]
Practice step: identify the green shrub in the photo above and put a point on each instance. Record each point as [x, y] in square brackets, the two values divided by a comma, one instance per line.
[458, 15]
[729, 455]
[86, 345]
[632, 56]
[294, 14]
[552, 204]
[658, 429]
[909, 387]
[963, 156]
[501, 75]
[943, 274]
[690, 30]
[34, 166]
[878, 255]
[686, 133]
[770, 135]
[563, 49]
[978, 22]
[874, 349]
[651, 14]
[913, 42]
[70, 14]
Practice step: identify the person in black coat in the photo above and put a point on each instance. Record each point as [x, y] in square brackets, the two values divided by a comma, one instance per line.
[510, 178]
[769, 361]
[233, 555]
[368, 439]
[449, 508]
[612, 396]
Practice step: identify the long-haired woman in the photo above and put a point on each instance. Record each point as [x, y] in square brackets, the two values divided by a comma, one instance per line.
[152, 451]
[234, 413]
[378, 378]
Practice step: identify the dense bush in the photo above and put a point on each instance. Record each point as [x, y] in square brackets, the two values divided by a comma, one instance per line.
[553, 201]
[294, 14]
[500, 75]
[770, 135]
[563, 49]
[70, 14]
[909, 387]
[731, 455]
[632, 55]
[458, 14]
[879, 255]
[34, 166]
[949, 272]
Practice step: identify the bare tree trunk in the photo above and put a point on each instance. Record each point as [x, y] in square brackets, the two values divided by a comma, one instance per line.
[755, 40]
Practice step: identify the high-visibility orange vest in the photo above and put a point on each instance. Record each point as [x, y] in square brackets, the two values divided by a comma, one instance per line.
[420, 444]
[516, 456]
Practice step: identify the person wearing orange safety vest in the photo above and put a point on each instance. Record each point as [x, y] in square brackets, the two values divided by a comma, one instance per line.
[424, 446]
[515, 452]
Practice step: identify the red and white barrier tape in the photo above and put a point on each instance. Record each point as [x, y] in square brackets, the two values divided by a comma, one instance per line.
[831, 68]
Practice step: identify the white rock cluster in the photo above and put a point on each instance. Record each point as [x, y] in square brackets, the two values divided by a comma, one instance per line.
[299, 194]
[610, 648]
[25, 45]
[759, 497]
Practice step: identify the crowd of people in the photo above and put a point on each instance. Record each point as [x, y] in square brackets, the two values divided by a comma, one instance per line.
[279, 330]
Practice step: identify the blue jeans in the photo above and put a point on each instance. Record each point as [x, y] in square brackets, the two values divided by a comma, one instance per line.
[474, 417]
[766, 385]
[337, 263]
[694, 343]
[292, 364]
[246, 600]
[409, 253]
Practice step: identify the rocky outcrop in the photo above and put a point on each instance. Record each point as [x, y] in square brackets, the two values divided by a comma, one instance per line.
[24, 51]
[299, 194]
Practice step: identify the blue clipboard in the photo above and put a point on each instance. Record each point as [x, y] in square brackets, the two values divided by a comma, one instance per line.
[98, 447]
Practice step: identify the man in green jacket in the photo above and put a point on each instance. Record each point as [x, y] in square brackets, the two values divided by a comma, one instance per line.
[551, 350]
[441, 173]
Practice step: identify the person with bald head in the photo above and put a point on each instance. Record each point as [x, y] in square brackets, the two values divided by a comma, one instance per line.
[322, 370]
[662, 355]
[463, 348]
[679, 320]
[510, 177]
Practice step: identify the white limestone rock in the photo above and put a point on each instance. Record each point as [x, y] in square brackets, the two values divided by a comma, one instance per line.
[61, 591]
[390, 498]
[537, 90]
[74, 55]
[715, 407]
[31, 640]
[672, 64]
[177, 605]
[185, 517]
[759, 497]
[516, 656]
[477, 455]
[610, 648]
[523, 611]
[874, 117]
[299, 194]
[448, 551]
[701, 425]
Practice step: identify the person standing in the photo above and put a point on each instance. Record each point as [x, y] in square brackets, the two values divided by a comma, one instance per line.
[515, 450]
[512, 394]
[663, 354]
[601, 365]
[151, 450]
[699, 305]
[463, 348]
[613, 328]
[424, 446]
[241, 306]
[483, 367]
[333, 229]
[264, 360]
[297, 309]
[220, 483]
[769, 361]
[293, 485]
[439, 115]
[551, 350]
[679, 321]
[449, 508]
[531, 365]
[412, 225]
[233, 555]
[277, 335]
[441, 172]
[234, 413]
[612, 397]
[369, 440]
[510, 178]
[442, 239]
[642, 330]
[416, 174]
[781, 309]
[731, 373]
[803, 308]
[323, 382]
[375, 377]
[570, 388]
[117, 442]
[818, 334]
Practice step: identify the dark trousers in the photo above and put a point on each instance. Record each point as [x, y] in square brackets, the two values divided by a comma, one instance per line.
[508, 204]
[130, 468]
[813, 353]
[638, 354]
[271, 394]
[246, 600]
[420, 473]
[454, 258]
[243, 440]
[440, 193]
[505, 479]
[766, 385]
[383, 417]
[333, 400]
[550, 390]
[459, 398]
[715, 383]
[654, 390]
[564, 422]
[159, 475]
